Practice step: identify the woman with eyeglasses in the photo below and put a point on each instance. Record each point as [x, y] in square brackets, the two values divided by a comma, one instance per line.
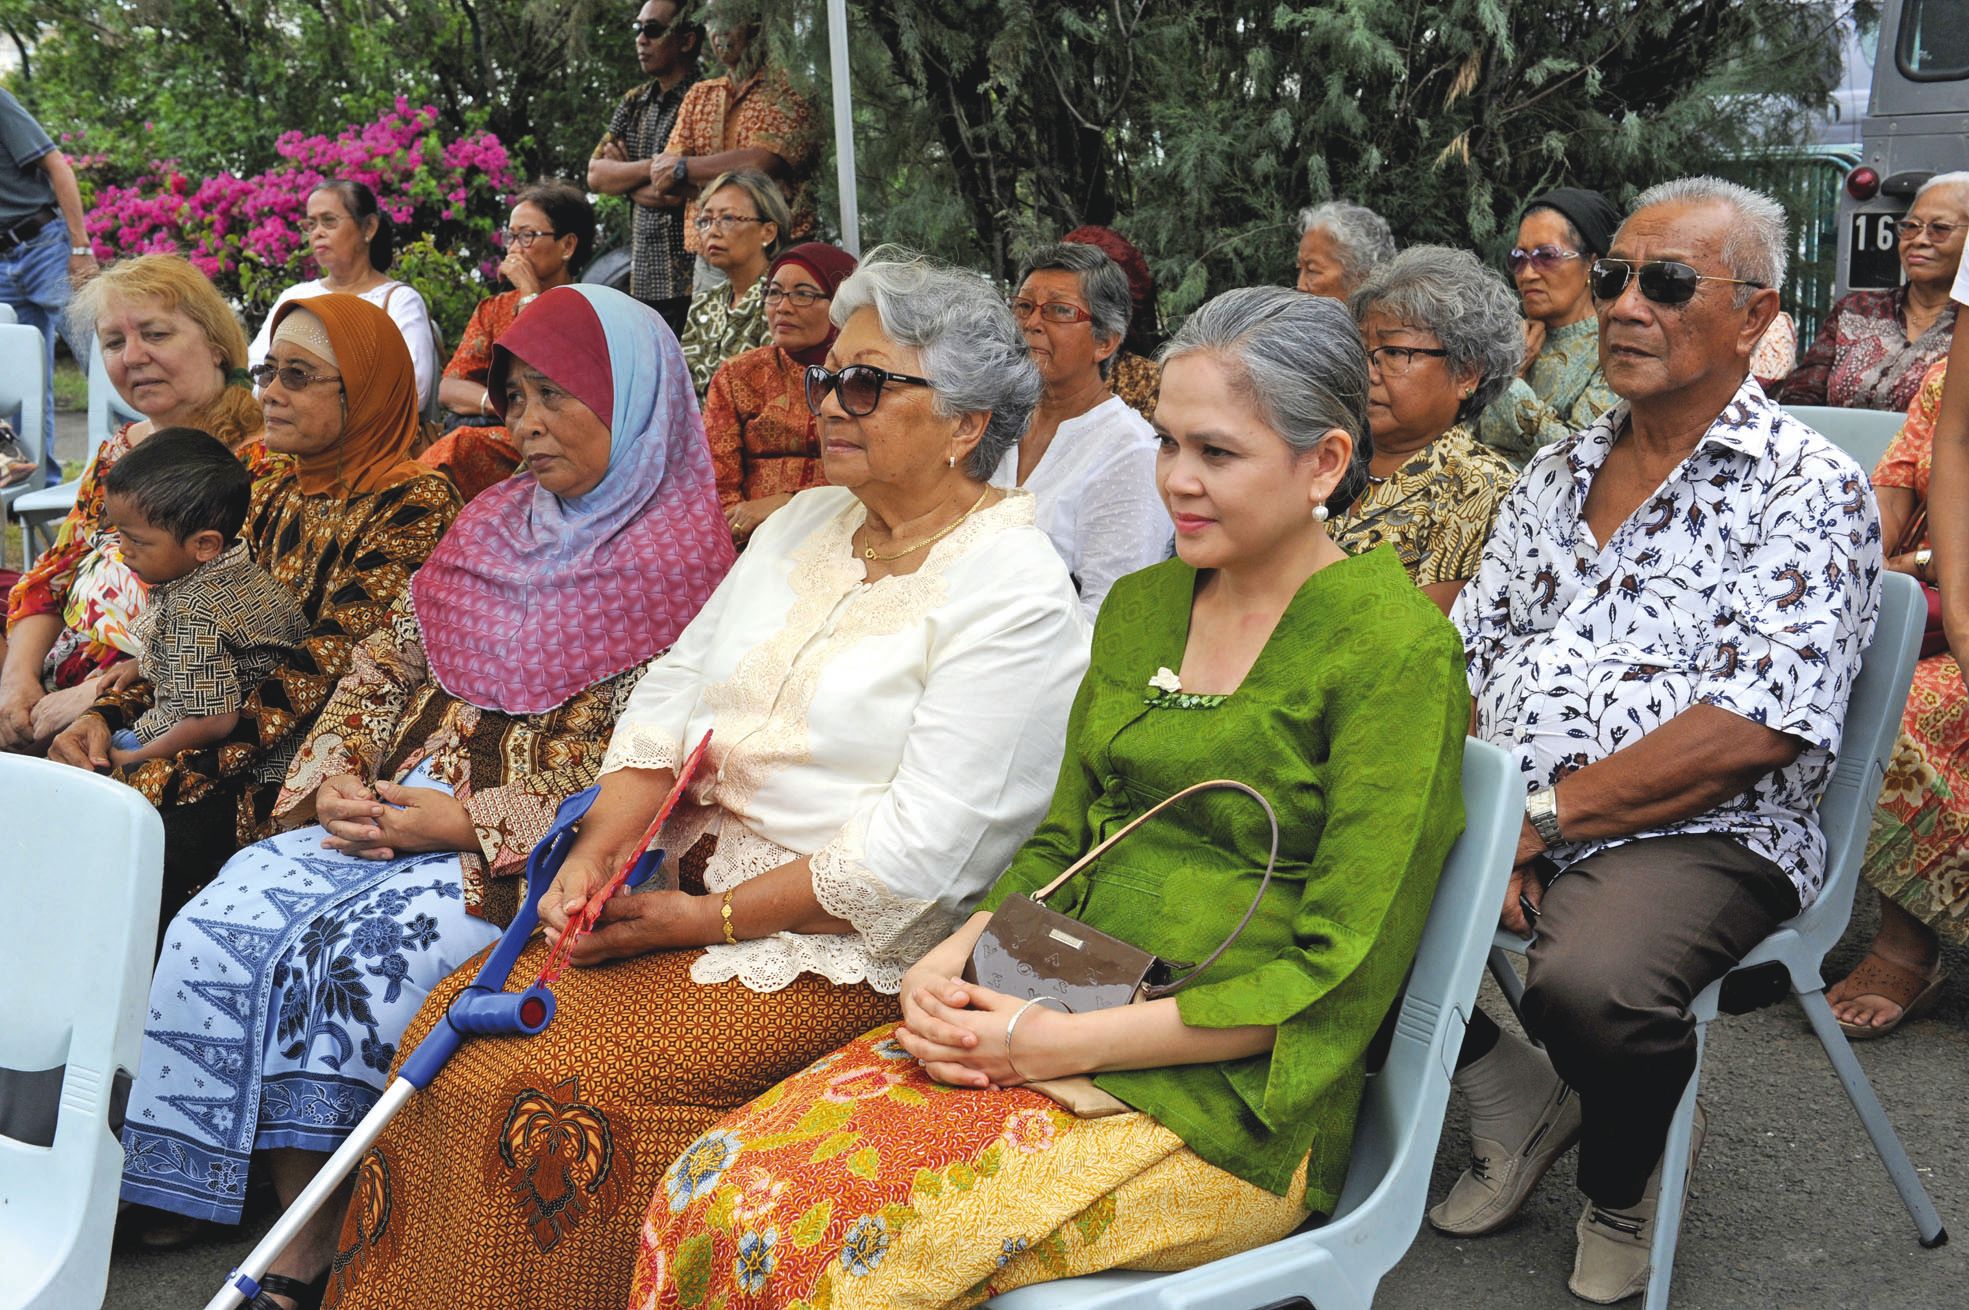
[353, 241]
[1444, 339]
[742, 224]
[175, 353]
[1087, 458]
[762, 434]
[342, 524]
[886, 674]
[548, 239]
[1875, 346]
[410, 810]
[1558, 388]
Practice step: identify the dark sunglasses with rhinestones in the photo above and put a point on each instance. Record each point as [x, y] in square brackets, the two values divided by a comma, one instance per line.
[1664, 281]
[858, 385]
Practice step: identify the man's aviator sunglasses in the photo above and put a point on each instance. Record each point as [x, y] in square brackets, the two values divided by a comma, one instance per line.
[1664, 281]
[858, 385]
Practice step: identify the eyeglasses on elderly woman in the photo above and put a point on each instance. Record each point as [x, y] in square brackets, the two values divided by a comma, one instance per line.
[858, 385]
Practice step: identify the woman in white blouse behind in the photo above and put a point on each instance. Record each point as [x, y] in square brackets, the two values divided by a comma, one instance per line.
[1088, 458]
[886, 674]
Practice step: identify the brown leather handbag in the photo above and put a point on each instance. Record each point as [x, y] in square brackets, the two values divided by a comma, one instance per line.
[1029, 951]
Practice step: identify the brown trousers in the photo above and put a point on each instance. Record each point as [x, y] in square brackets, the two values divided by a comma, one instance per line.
[1626, 939]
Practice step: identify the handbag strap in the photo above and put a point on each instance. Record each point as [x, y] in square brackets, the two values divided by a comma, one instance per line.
[1271, 862]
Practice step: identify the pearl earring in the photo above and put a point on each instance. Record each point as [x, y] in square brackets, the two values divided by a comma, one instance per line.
[1320, 513]
[951, 462]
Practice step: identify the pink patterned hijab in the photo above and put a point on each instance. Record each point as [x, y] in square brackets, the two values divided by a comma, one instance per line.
[531, 599]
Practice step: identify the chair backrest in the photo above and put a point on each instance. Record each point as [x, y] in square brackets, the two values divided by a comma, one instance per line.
[7, 314]
[1401, 1115]
[84, 858]
[22, 391]
[1862, 433]
[107, 408]
[1866, 742]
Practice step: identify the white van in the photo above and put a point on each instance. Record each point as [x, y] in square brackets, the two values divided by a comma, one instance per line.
[1917, 125]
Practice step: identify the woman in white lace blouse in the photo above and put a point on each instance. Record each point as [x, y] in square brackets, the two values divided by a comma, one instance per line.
[1088, 458]
[886, 674]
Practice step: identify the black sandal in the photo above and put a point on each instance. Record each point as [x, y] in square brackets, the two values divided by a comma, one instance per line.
[306, 1296]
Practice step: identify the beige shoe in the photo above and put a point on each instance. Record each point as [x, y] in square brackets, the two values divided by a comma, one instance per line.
[1613, 1260]
[1501, 1175]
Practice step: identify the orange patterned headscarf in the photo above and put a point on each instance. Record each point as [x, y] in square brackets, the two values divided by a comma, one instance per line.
[379, 389]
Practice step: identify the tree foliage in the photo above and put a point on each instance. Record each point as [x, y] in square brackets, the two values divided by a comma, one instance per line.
[1197, 127]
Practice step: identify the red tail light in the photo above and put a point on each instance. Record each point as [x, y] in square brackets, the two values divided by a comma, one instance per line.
[1862, 183]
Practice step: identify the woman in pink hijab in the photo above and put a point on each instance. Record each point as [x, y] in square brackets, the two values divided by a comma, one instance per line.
[485, 699]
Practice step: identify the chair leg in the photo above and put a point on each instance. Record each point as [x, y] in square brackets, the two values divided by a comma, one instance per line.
[1873, 1117]
[1673, 1195]
[1508, 980]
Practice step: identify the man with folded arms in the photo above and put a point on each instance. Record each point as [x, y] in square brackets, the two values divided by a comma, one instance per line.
[1664, 632]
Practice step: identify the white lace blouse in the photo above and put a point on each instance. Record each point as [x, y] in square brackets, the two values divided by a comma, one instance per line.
[904, 733]
[1097, 498]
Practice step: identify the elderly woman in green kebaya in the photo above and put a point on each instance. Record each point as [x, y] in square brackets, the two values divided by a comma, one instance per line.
[989, 1142]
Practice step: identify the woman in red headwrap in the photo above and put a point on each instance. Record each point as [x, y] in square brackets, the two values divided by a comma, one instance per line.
[755, 413]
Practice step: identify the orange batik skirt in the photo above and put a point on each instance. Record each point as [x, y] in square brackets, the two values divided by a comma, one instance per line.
[519, 1176]
[859, 1182]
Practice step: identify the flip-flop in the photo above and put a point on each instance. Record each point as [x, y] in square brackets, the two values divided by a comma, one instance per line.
[1910, 989]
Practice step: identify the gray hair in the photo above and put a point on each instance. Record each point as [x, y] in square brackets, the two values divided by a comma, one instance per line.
[1469, 308]
[1299, 359]
[973, 352]
[1959, 178]
[1102, 283]
[767, 199]
[1363, 236]
[1755, 247]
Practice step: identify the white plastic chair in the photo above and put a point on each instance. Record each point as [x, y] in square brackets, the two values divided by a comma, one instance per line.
[74, 975]
[1795, 953]
[39, 510]
[1339, 1264]
[7, 314]
[1862, 433]
[23, 399]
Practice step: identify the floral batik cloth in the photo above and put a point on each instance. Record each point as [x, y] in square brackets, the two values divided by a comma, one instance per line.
[1435, 510]
[1862, 358]
[275, 1012]
[860, 1182]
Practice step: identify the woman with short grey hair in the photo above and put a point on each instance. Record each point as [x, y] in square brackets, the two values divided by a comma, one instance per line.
[1444, 339]
[884, 680]
[1087, 457]
[1339, 243]
[1324, 683]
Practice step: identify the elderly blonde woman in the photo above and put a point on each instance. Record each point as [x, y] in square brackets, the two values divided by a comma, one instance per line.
[1444, 339]
[1339, 243]
[1088, 457]
[886, 673]
[742, 225]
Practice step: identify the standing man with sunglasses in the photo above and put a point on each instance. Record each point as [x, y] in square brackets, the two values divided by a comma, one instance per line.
[666, 50]
[1664, 632]
[44, 252]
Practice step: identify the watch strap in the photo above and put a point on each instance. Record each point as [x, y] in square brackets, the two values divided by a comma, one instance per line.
[1542, 809]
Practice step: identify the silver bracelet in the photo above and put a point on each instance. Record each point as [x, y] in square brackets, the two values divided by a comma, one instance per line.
[1014, 1023]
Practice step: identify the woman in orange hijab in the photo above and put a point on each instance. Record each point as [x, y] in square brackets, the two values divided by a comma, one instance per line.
[344, 526]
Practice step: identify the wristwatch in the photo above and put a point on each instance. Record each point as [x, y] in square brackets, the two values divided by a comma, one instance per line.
[1542, 809]
[1922, 559]
[681, 173]
[76, 252]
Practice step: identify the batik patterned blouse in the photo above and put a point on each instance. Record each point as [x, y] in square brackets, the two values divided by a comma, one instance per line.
[1750, 581]
[1909, 460]
[1562, 394]
[1435, 510]
[761, 432]
[388, 715]
[718, 330]
[347, 560]
[762, 113]
[1862, 359]
[1138, 381]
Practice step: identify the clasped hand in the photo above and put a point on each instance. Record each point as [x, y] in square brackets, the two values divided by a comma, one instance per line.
[956, 1030]
[631, 923]
[389, 820]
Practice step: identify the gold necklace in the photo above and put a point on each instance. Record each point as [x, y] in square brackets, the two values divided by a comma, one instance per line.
[868, 552]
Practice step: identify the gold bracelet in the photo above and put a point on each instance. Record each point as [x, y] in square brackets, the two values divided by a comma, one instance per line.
[725, 915]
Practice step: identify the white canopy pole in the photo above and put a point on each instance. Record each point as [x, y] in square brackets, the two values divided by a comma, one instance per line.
[844, 124]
